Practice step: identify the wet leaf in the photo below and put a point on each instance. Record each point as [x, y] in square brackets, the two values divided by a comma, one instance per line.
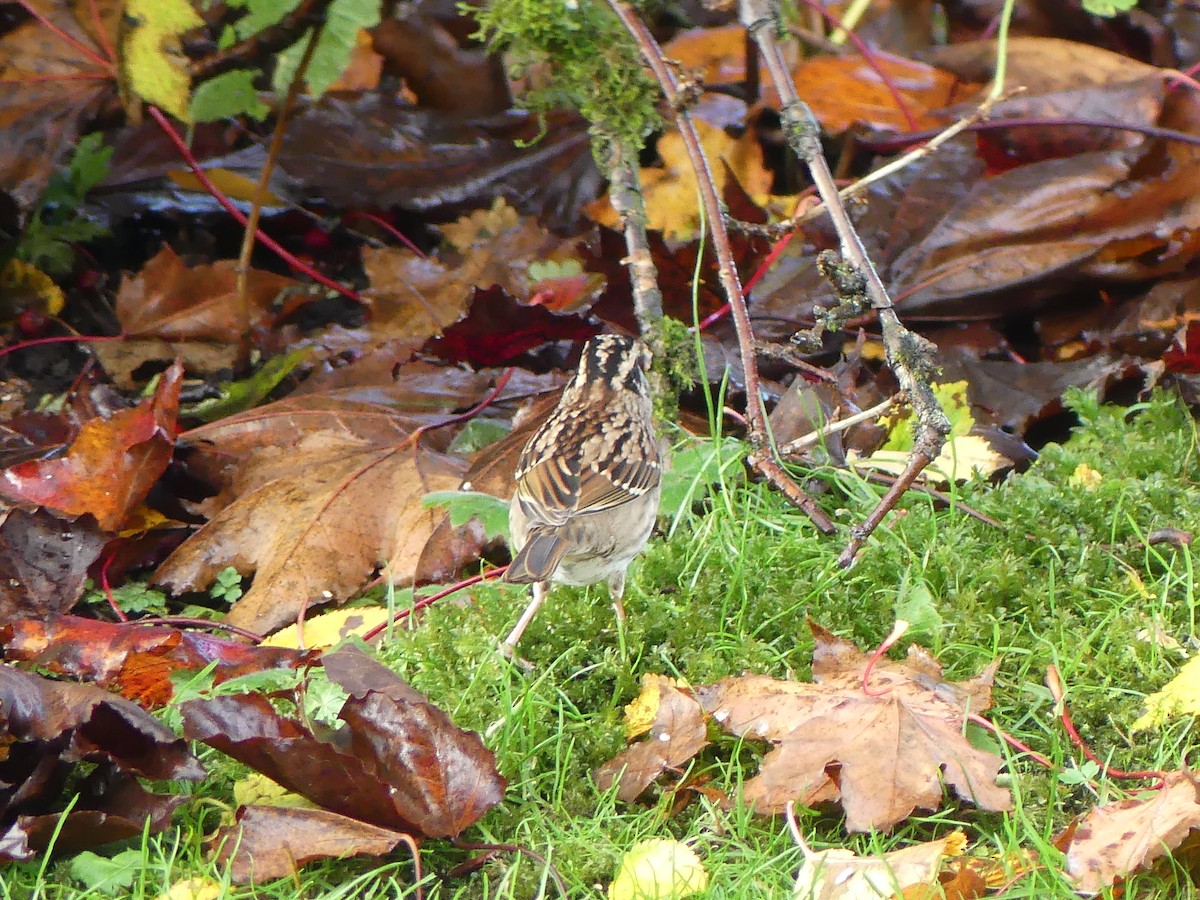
[47, 728]
[398, 762]
[110, 466]
[171, 300]
[134, 660]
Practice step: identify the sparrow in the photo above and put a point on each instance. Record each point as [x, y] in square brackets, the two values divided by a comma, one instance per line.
[588, 482]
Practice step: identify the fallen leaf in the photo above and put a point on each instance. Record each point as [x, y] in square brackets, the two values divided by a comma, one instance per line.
[134, 660]
[1116, 839]
[111, 465]
[44, 561]
[198, 888]
[398, 762]
[50, 88]
[320, 491]
[1178, 697]
[881, 754]
[172, 301]
[49, 727]
[847, 90]
[838, 874]
[678, 730]
[659, 869]
[672, 206]
[268, 842]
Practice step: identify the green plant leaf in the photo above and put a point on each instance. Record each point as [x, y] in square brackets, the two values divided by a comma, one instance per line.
[463, 506]
[342, 23]
[226, 95]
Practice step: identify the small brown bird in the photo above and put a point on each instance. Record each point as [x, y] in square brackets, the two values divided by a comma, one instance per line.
[588, 481]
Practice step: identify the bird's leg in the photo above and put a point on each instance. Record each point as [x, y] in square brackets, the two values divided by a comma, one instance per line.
[616, 590]
[540, 589]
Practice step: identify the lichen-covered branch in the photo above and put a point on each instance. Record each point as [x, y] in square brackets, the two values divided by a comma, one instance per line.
[762, 454]
[909, 356]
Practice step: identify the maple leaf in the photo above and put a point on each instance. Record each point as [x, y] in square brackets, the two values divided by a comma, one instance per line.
[110, 466]
[881, 754]
[1113, 840]
[677, 732]
[321, 490]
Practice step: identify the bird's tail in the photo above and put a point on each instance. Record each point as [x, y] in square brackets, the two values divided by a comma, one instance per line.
[538, 559]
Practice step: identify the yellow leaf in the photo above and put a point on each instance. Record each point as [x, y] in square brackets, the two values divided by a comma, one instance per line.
[193, 889]
[1179, 697]
[1085, 477]
[672, 204]
[330, 628]
[153, 62]
[20, 281]
[257, 788]
[641, 713]
[658, 870]
[233, 185]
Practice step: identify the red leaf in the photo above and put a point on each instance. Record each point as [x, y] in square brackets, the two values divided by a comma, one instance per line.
[110, 466]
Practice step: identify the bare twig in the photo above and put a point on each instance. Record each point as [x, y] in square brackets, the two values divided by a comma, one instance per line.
[818, 435]
[625, 193]
[762, 455]
[264, 180]
[909, 355]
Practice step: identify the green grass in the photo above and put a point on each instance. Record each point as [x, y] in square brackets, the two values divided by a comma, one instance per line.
[1068, 579]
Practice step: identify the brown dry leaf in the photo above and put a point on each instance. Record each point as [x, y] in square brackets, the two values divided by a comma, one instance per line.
[415, 298]
[319, 491]
[1116, 839]
[312, 521]
[170, 300]
[51, 86]
[678, 732]
[269, 842]
[881, 756]
[845, 90]
[843, 875]
[671, 204]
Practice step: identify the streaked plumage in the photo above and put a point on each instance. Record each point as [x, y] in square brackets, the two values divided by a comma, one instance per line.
[588, 481]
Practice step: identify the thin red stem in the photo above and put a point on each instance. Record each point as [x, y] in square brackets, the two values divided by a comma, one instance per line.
[1054, 682]
[1009, 739]
[389, 228]
[101, 32]
[888, 642]
[471, 413]
[87, 51]
[108, 594]
[237, 214]
[419, 605]
[60, 339]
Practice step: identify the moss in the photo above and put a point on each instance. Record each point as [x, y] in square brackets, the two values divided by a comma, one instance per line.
[594, 65]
